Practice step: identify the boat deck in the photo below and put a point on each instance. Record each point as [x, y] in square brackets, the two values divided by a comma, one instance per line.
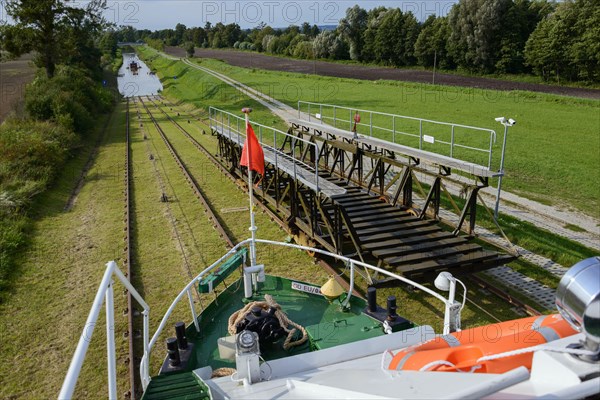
[326, 323]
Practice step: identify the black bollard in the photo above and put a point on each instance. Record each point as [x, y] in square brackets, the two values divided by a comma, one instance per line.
[180, 332]
[173, 352]
[372, 298]
[391, 307]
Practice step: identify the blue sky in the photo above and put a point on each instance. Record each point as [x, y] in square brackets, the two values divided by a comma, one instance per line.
[160, 14]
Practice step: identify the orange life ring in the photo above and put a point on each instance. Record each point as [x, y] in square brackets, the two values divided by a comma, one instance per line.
[459, 351]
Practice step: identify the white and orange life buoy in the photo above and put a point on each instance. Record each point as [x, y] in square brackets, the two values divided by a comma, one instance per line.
[460, 351]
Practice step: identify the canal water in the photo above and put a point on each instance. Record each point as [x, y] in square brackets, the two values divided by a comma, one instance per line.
[143, 84]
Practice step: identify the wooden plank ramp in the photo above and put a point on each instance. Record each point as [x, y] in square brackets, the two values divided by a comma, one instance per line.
[407, 244]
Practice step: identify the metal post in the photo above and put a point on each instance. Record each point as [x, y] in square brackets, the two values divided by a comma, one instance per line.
[146, 380]
[194, 316]
[318, 154]
[393, 128]
[452, 143]
[501, 172]
[434, 62]
[252, 229]
[308, 112]
[351, 288]
[276, 152]
[420, 134]
[334, 117]
[110, 343]
[68, 387]
[371, 124]
[321, 112]
[492, 137]
[449, 304]
[294, 156]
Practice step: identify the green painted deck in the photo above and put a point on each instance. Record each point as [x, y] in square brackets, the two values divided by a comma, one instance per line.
[326, 323]
[182, 386]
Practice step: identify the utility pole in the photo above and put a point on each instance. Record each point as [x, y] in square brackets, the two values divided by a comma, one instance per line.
[434, 63]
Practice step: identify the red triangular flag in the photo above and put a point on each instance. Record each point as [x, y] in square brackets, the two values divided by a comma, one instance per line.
[252, 154]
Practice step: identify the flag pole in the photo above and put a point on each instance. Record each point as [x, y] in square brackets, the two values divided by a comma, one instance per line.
[247, 111]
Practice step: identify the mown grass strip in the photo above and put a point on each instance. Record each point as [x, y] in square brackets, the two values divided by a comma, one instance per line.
[58, 276]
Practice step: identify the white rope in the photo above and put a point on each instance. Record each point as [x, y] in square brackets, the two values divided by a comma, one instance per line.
[579, 352]
[437, 362]
[448, 364]
[270, 368]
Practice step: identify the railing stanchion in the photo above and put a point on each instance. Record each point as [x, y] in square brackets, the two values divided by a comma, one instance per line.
[68, 387]
[452, 143]
[321, 113]
[110, 342]
[490, 153]
[294, 157]
[194, 315]
[421, 134]
[394, 129]
[351, 288]
[334, 117]
[146, 380]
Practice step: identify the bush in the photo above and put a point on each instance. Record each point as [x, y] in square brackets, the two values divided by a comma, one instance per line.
[31, 151]
[71, 98]
[31, 155]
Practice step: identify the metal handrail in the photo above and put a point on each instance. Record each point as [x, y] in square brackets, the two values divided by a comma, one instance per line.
[447, 303]
[230, 125]
[393, 130]
[105, 290]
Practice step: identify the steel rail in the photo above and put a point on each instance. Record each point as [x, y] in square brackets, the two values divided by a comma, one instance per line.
[127, 261]
[192, 182]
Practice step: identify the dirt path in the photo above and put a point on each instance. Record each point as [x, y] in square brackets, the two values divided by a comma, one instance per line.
[256, 60]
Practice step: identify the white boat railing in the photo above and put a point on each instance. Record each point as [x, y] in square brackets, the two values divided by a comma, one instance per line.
[105, 291]
[392, 127]
[452, 313]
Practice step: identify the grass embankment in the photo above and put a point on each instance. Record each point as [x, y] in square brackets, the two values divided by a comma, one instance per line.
[552, 153]
[58, 275]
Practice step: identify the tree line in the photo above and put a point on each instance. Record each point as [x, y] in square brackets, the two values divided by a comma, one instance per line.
[556, 41]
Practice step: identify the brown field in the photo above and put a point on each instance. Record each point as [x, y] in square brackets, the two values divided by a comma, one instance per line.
[262, 61]
[14, 75]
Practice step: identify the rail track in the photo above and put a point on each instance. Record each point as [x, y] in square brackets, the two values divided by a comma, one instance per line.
[133, 392]
[127, 257]
[191, 180]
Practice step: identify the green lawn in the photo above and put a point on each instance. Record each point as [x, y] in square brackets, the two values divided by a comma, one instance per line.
[552, 153]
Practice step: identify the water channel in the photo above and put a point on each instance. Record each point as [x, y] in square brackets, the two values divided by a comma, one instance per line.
[140, 82]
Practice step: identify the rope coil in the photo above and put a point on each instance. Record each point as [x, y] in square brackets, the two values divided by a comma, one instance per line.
[283, 319]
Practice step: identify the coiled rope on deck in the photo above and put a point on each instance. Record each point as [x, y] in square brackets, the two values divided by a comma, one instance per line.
[283, 319]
